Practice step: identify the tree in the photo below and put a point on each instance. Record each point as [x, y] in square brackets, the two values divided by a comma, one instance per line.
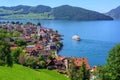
[113, 64]
[84, 73]
[53, 54]
[29, 23]
[20, 42]
[16, 34]
[39, 24]
[41, 61]
[5, 56]
[40, 38]
[15, 54]
[72, 71]
[101, 73]
[80, 73]
[22, 59]
[35, 36]
[42, 64]
[59, 44]
[40, 57]
[31, 61]
[111, 70]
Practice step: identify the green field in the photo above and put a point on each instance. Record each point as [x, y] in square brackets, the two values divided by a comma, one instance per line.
[18, 72]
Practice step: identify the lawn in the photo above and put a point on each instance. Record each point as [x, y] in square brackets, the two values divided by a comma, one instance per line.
[18, 72]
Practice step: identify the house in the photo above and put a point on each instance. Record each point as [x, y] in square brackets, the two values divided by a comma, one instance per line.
[93, 69]
[20, 30]
[37, 49]
[33, 34]
[57, 63]
[61, 62]
[27, 37]
[42, 32]
[52, 46]
[29, 49]
[39, 46]
[44, 53]
[79, 61]
[44, 39]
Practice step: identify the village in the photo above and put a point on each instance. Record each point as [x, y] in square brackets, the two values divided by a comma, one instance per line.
[40, 43]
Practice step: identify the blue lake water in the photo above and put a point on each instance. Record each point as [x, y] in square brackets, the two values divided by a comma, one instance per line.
[97, 38]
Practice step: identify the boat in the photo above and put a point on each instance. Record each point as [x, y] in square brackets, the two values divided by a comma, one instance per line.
[76, 37]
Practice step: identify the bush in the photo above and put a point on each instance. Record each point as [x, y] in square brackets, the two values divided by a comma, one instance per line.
[31, 61]
[42, 64]
[22, 59]
[60, 44]
[15, 54]
[20, 42]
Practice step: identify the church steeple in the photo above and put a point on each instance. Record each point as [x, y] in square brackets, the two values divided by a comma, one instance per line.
[38, 26]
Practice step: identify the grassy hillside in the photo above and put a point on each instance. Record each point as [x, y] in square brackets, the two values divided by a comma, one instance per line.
[28, 16]
[19, 72]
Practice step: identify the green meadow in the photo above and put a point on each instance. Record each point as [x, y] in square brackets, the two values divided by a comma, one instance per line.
[18, 72]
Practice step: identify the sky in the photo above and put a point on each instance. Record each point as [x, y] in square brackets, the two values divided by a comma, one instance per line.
[96, 5]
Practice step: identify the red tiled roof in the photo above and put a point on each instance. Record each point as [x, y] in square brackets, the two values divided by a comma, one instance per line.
[27, 37]
[60, 58]
[13, 47]
[78, 62]
[44, 39]
[42, 32]
[39, 45]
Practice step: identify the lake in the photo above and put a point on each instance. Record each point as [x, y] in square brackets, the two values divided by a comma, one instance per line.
[97, 38]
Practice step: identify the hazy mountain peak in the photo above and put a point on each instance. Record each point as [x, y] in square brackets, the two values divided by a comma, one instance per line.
[114, 13]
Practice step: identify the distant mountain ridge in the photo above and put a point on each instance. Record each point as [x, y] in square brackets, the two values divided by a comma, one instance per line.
[65, 12]
[28, 9]
[77, 13]
[114, 13]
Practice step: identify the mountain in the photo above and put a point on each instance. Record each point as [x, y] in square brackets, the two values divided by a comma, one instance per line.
[65, 12]
[114, 13]
[28, 9]
[76, 13]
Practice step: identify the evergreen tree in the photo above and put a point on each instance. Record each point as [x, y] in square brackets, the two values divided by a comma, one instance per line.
[5, 56]
[15, 54]
[80, 73]
[39, 24]
[40, 38]
[85, 72]
[72, 72]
